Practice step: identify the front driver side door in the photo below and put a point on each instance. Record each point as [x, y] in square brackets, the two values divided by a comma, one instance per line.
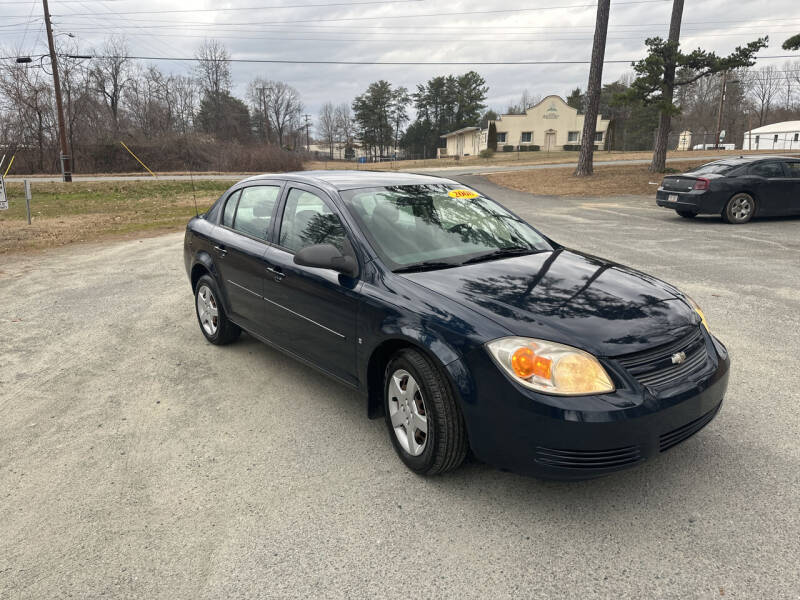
[312, 312]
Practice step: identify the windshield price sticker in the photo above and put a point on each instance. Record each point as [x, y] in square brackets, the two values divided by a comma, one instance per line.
[3, 198]
[464, 194]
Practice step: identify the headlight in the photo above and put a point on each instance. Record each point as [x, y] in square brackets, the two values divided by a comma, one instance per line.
[699, 312]
[549, 367]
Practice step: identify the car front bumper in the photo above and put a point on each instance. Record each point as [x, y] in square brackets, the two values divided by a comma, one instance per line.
[551, 437]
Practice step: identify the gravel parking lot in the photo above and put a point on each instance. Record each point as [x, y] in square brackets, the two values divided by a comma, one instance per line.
[139, 461]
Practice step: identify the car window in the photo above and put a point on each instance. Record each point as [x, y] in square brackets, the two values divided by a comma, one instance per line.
[230, 209]
[409, 224]
[714, 167]
[307, 220]
[767, 169]
[793, 168]
[254, 213]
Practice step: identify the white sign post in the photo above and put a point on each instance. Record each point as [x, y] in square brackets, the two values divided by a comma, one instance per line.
[3, 197]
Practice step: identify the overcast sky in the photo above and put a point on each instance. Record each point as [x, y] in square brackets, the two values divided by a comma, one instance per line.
[415, 30]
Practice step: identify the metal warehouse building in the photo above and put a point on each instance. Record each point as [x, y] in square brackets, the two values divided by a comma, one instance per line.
[778, 136]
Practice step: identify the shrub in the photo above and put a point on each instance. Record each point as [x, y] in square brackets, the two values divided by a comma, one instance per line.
[534, 148]
[487, 153]
[508, 148]
[572, 147]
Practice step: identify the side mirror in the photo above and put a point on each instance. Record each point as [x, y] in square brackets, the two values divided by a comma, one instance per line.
[326, 256]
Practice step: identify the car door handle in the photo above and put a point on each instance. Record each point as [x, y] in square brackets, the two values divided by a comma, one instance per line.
[277, 273]
[221, 250]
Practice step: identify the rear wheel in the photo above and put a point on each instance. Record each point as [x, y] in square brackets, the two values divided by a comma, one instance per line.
[739, 209]
[211, 315]
[686, 214]
[423, 418]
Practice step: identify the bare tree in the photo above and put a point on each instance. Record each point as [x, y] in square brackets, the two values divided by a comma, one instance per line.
[328, 127]
[213, 68]
[110, 76]
[283, 107]
[763, 85]
[345, 127]
[30, 102]
[257, 96]
[183, 99]
[585, 159]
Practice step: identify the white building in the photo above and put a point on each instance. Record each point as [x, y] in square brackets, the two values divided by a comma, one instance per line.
[549, 126]
[462, 142]
[777, 136]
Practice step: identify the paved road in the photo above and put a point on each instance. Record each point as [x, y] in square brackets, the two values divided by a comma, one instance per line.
[138, 461]
[441, 171]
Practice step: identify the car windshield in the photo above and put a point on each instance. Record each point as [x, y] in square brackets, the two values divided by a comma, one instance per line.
[714, 167]
[438, 226]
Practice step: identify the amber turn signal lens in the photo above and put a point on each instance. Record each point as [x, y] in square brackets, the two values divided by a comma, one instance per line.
[527, 364]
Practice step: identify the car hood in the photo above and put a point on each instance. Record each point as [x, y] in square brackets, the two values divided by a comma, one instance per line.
[568, 297]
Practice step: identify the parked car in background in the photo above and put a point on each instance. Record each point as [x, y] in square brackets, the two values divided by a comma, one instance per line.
[737, 189]
[457, 321]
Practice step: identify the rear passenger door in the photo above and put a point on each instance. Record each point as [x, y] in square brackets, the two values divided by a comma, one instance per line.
[310, 311]
[773, 187]
[245, 227]
[793, 168]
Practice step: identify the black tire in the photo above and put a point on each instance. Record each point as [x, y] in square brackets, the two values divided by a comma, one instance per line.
[225, 331]
[686, 214]
[446, 440]
[740, 209]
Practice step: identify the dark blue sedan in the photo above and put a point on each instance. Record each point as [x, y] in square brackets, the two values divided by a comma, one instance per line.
[457, 321]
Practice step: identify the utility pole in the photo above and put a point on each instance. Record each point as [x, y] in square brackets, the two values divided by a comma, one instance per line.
[721, 105]
[308, 124]
[66, 167]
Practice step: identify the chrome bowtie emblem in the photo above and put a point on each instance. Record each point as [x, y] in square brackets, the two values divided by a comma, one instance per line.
[678, 358]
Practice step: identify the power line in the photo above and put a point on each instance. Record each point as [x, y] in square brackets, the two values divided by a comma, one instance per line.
[240, 8]
[394, 39]
[421, 15]
[392, 63]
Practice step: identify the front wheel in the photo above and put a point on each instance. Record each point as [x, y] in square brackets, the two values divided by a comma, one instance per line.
[423, 418]
[686, 214]
[739, 209]
[211, 315]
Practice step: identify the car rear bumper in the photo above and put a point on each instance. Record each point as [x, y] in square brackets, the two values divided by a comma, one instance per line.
[513, 430]
[695, 201]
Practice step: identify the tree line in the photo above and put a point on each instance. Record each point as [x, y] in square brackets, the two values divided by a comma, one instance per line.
[174, 122]
[194, 121]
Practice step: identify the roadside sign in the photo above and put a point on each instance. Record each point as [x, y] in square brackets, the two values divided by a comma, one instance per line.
[3, 198]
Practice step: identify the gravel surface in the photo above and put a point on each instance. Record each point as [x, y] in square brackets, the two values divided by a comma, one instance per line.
[139, 461]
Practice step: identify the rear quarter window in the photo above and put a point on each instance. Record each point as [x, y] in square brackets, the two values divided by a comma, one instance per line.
[230, 208]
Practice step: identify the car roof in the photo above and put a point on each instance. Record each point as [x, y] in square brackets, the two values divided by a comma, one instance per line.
[350, 179]
[745, 159]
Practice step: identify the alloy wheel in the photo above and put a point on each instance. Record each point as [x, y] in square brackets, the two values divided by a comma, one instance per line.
[207, 310]
[741, 208]
[407, 412]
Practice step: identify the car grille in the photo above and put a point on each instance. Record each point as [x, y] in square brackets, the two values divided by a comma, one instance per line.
[655, 368]
[676, 436]
[588, 459]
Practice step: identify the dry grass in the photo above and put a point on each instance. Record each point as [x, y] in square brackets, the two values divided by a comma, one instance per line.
[511, 158]
[610, 180]
[82, 212]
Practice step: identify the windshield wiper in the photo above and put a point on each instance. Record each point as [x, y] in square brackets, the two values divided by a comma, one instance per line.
[425, 265]
[500, 253]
